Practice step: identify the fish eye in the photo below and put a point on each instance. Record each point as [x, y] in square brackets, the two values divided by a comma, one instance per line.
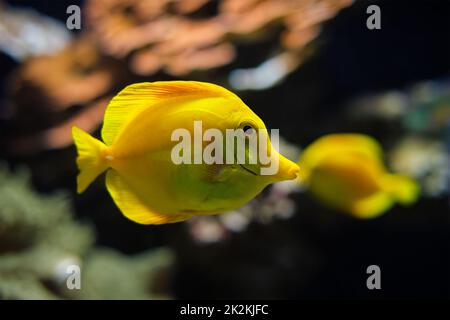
[248, 129]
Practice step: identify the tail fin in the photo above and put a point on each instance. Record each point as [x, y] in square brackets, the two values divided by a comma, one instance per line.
[304, 173]
[91, 161]
[404, 189]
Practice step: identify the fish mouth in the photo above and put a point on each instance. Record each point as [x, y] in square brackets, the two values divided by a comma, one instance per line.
[248, 170]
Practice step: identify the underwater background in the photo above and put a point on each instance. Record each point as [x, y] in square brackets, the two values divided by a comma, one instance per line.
[307, 67]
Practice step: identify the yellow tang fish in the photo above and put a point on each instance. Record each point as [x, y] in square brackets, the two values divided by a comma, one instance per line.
[346, 172]
[144, 182]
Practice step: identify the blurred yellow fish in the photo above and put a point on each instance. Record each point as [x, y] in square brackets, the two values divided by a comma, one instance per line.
[346, 172]
[144, 182]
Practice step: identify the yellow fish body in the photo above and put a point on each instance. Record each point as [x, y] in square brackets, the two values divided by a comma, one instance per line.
[346, 172]
[144, 182]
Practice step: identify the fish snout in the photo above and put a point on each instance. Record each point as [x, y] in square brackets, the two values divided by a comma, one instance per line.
[287, 170]
[293, 172]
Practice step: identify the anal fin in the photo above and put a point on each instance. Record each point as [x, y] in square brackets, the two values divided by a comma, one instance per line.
[132, 206]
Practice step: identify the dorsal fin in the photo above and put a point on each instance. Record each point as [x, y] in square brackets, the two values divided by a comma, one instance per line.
[138, 97]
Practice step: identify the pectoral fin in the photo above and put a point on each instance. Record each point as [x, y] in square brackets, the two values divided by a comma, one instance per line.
[132, 206]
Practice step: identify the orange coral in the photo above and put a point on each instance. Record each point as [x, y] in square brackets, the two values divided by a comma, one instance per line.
[60, 136]
[73, 76]
[163, 35]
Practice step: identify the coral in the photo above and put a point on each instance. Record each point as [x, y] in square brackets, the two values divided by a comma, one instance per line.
[59, 135]
[422, 113]
[425, 159]
[49, 94]
[183, 36]
[39, 239]
[274, 203]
